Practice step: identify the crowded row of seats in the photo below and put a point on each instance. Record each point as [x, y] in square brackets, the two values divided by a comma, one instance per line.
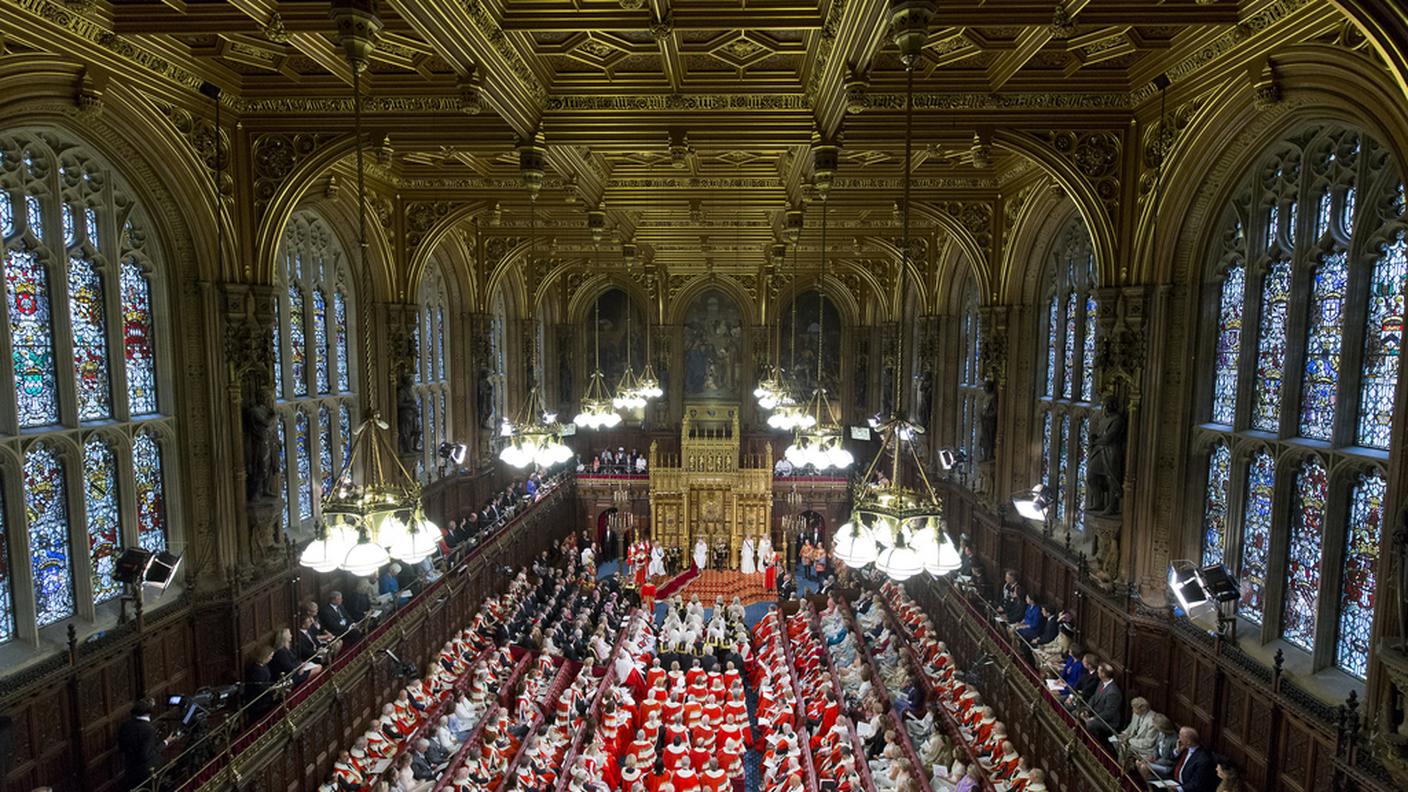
[665, 719]
[433, 714]
[837, 753]
[983, 738]
[470, 527]
[1141, 740]
[780, 717]
[885, 707]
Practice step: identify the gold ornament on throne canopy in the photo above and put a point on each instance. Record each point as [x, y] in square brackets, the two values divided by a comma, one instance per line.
[719, 494]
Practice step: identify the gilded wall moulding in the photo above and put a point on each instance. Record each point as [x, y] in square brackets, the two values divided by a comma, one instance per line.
[200, 137]
[1004, 101]
[677, 102]
[488, 27]
[1258, 23]
[825, 46]
[96, 34]
[921, 183]
[421, 216]
[1096, 155]
[695, 182]
[1158, 138]
[274, 158]
[976, 217]
[342, 105]
[1011, 208]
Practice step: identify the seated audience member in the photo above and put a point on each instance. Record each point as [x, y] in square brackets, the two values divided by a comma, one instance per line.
[335, 620]
[1229, 780]
[359, 602]
[284, 660]
[1105, 703]
[1032, 621]
[1194, 769]
[1158, 762]
[1089, 682]
[258, 681]
[1139, 734]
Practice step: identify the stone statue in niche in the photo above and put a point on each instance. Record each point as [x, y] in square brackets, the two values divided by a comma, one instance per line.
[987, 422]
[261, 454]
[1107, 447]
[407, 416]
[926, 398]
[484, 398]
[862, 376]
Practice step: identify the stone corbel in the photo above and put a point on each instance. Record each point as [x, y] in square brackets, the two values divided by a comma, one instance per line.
[1266, 84]
[89, 94]
[993, 320]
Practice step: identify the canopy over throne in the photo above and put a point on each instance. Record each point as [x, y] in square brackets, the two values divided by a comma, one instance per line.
[709, 491]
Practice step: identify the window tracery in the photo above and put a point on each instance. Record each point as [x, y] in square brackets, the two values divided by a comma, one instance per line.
[82, 298]
[432, 377]
[1070, 333]
[314, 373]
[1323, 289]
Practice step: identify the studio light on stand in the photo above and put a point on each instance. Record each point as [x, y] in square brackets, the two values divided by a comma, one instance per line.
[1035, 504]
[1207, 588]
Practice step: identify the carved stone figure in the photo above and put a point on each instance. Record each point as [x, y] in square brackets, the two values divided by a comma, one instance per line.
[987, 422]
[926, 398]
[1107, 446]
[407, 416]
[484, 398]
[261, 437]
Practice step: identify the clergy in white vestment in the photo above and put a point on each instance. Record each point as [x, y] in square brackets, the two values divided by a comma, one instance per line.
[745, 559]
[701, 554]
[657, 561]
[764, 550]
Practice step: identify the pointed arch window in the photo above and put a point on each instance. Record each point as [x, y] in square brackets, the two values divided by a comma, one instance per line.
[970, 380]
[151, 492]
[1069, 407]
[313, 374]
[83, 288]
[1323, 286]
[433, 381]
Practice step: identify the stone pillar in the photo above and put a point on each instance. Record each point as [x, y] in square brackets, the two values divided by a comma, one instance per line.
[482, 419]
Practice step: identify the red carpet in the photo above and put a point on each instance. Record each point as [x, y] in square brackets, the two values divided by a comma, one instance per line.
[677, 582]
[726, 583]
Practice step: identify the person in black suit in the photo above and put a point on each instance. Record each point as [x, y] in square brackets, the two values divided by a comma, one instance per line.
[258, 680]
[139, 745]
[1106, 704]
[335, 620]
[305, 641]
[1195, 769]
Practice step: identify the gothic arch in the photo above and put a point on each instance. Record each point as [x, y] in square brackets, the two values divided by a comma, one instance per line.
[832, 288]
[1082, 193]
[959, 236]
[340, 213]
[443, 229]
[679, 304]
[579, 305]
[1205, 165]
[1032, 241]
[290, 195]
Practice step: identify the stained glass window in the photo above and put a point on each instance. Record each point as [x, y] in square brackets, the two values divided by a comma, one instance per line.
[1256, 535]
[278, 353]
[7, 215]
[1082, 451]
[1053, 323]
[297, 360]
[1322, 348]
[429, 412]
[70, 230]
[344, 361]
[344, 426]
[1062, 461]
[440, 342]
[1215, 505]
[444, 419]
[1383, 345]
[90, 348]
[1347, 212]
[1046, 448]
[7, 602]
[151, 492]
[1359, 580]
[1229, 345]
[1068, 372]
[1271, 347]
[1303, 555]
[304, 456]
[283, 467]
[427, 357]
[325, 448]
[31, 339]
[1323, 214]
[34, 216]
[46, 518]
[90, 226]
[1087, 354]
[320, 341]
[100, 506]
[137, 342]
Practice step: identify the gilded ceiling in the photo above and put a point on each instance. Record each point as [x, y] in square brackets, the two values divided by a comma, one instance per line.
[692, 123]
